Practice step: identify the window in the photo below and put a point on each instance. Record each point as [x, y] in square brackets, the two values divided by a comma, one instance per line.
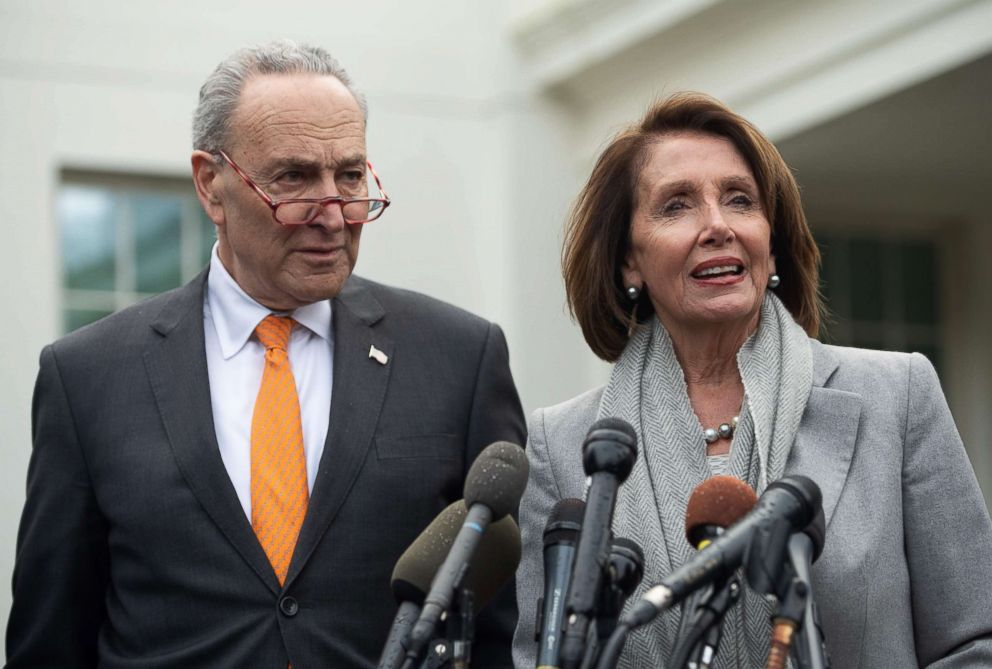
[882, 291]
[124, 239]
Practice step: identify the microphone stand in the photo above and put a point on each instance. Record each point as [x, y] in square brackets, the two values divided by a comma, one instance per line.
[455, 651]
[438, 655]
[461, 629]
[791, 609]
[809, 651]
[705, 630]
[725, 600]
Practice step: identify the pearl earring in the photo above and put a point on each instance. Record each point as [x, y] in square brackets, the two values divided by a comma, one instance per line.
[633, 292]
[774, 281]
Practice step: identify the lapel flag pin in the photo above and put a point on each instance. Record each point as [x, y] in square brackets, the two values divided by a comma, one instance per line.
[378, 355]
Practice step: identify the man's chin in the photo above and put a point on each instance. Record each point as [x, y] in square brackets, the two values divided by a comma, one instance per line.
[322, 288]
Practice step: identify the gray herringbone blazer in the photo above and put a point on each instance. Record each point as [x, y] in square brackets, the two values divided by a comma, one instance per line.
[905, 578]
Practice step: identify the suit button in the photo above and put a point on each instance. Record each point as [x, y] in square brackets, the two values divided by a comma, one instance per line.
[289, 607]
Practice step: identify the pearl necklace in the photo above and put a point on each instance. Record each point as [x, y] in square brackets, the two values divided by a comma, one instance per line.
[725, 431]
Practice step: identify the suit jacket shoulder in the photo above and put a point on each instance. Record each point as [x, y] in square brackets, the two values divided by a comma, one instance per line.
[111, 336]
[566, 422]
[371, 300]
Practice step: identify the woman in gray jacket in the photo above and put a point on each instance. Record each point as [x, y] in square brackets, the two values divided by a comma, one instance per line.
[688, 263]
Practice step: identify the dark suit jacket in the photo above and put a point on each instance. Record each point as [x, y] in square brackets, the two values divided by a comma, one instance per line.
[133, 549]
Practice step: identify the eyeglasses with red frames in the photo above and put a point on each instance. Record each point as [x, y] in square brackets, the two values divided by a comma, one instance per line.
[301, 211]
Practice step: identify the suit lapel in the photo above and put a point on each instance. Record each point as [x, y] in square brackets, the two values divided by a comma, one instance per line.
[360, 381]
[824, 445]
[176, 363]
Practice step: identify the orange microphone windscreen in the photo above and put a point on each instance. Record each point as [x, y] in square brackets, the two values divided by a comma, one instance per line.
[718, 502]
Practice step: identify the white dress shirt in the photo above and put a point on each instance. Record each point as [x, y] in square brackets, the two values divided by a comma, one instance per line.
[235, 360]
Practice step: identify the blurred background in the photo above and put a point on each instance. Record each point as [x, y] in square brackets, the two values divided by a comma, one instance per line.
[485, 118]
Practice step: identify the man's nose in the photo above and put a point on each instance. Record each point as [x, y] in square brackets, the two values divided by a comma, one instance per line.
[331, 214]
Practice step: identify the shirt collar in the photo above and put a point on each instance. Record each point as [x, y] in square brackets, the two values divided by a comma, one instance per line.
[235, 314]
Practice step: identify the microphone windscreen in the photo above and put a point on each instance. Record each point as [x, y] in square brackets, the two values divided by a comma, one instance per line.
[414, 571]
[626, 564]
[629, 547]
[621, 429]
[806, 491]
[817, 532]
[610, 448]
[497, 478]
[565, 521]
[495, 560]
[717, 502]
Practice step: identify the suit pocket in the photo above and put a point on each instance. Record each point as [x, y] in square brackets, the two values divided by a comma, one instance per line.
[443, 446]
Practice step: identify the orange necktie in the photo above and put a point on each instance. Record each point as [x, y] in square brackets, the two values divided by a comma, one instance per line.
[278, 465]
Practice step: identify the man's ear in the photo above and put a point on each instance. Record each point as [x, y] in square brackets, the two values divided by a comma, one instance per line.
[208, 184]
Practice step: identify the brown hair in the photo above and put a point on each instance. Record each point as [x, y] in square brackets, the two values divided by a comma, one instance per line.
[597, 233]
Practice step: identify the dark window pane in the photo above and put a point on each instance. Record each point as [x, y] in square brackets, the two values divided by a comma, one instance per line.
[156, 240]
[88, 221]
[919, 274]
[932, 352]
[833, 269]
[77, 318]
[866, 280]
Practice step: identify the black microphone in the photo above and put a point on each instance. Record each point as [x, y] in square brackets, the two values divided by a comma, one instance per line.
[495, 562]
[608, 456]
[625, 571]
[810, 650]
[493, 488]
[790, 502]
[561, 533]
[765, 562]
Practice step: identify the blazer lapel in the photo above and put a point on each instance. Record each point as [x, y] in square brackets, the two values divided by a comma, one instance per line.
[824, 445]
[176, 363]
[361, 375]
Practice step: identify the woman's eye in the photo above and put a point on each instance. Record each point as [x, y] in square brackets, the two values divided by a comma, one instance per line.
[741, 200]
[674, 206]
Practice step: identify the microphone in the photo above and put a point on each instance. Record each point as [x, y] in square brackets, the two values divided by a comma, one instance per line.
[493, 487]
[797, 608]
[608, 456]
[496, 560]
[714, 505]
[804, 550]
[560, 536]
[790, 502]
[765, 561]
[625, 570]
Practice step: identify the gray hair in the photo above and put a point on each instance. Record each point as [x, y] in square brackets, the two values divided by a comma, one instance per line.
[220, 92]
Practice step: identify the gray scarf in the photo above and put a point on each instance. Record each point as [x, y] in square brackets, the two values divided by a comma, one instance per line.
[647, 389]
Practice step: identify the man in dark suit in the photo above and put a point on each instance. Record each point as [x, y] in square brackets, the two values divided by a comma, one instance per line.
[184, 509]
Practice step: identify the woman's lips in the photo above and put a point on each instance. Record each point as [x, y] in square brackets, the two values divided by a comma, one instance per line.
[719, 271]
[720, 279]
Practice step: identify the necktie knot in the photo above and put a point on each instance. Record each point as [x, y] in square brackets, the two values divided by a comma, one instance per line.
[273, 332]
